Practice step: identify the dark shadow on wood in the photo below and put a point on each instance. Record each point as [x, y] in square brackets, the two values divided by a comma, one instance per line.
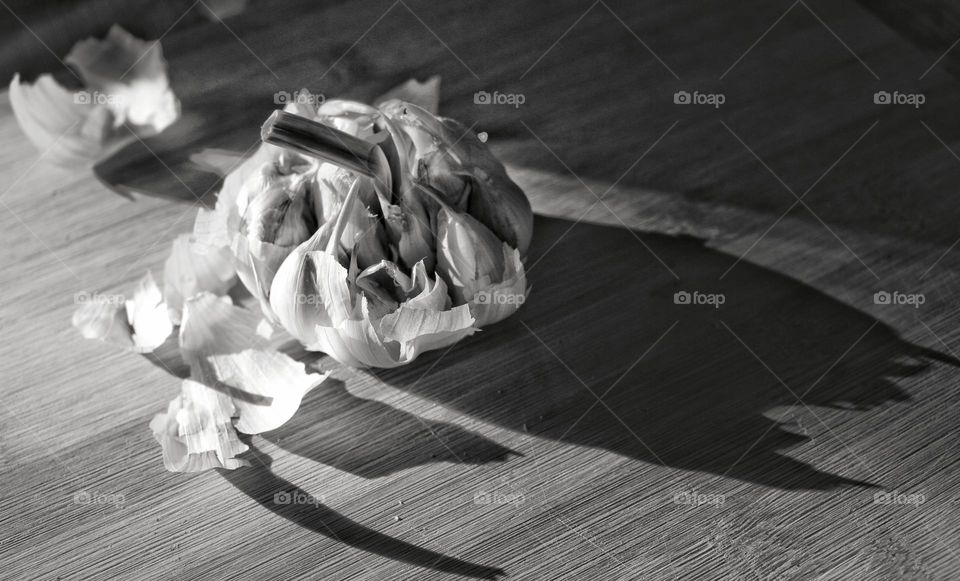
[372, 439]
[260, 484]
[698, 400]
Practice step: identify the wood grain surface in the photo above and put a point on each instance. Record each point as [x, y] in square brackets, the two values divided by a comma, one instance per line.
[798, 430]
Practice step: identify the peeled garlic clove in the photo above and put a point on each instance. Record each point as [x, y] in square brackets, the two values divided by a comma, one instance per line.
[469, 256]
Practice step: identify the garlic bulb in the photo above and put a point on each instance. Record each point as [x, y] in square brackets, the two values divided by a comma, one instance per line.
[409, 260]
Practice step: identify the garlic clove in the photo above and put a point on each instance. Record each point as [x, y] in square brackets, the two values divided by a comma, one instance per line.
[469, 256]
[449, 157]
[275, 219]
[294, 292]
[497, 301]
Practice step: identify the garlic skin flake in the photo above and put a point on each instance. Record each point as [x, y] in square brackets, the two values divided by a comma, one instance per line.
[127, 95]
[194, 268]
[196, 433]
[228, 351]
[140, 324]
[239, 384]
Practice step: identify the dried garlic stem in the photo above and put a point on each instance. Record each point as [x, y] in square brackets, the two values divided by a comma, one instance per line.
[322, 141]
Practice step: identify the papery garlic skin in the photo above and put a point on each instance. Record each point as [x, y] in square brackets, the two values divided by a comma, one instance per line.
[127, 95]
[193, 268]
[141, 323]
[321, 303]
[196, 432]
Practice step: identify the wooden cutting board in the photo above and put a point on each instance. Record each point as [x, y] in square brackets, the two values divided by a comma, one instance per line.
[795, 430]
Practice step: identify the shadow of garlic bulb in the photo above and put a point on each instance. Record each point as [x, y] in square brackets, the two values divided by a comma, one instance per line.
[375, 268]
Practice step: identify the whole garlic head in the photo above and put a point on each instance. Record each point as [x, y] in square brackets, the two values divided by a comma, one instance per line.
[375, 271]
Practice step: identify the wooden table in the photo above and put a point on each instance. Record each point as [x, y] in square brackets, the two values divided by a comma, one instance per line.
[798, 430]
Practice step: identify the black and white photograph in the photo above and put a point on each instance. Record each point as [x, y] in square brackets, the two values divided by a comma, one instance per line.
[601, 290]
